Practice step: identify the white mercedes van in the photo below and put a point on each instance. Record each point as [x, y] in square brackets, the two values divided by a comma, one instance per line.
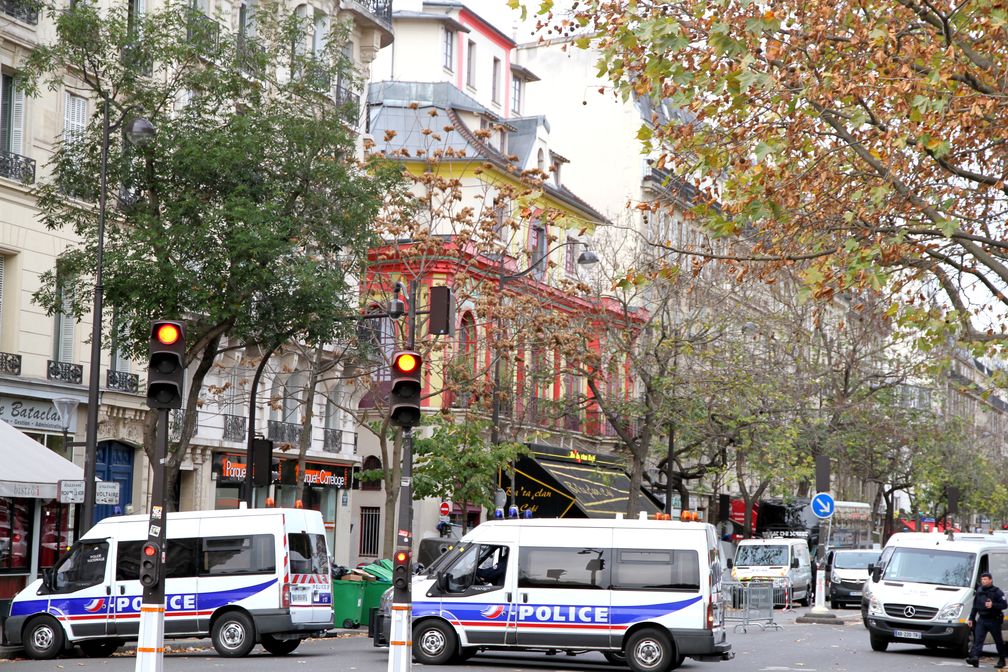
[643, 592]
[784, 561]
[922, 589]
[240, 577]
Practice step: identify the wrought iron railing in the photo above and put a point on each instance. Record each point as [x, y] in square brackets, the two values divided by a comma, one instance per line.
[572, 420]
[333, 440]
[22, 10]
[461, 399]
[122, 381]
[284, 432]
[65, 372]
[382, 9]
[175, 417]
[10, 364]
[16, 167]
[204, 32]
[235, 428]
[248, 54]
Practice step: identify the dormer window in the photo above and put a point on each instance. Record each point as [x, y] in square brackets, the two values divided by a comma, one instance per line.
[516, 95]
[556, 173]
[541, 160]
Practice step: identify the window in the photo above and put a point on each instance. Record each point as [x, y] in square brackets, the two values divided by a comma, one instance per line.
[63, 338]
[646, 569]
[371, 463]
[370, 530]
[448, 50]
[495, 93]
[320, 33]
[12, 100]
[541, 160]
[253, 554]
[471, 65]
[74, 117]
[83, 567]
[15, 533]
[570, 261]
[467, 343]
[308, 553]
[563, 568]
[246, 19]
[483, 564]
[120, 362]
[516, 95]
[3, 276]
[537, 249]
[182, 559]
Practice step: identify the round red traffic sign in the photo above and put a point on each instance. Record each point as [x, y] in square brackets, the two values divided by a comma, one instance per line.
[445, 508]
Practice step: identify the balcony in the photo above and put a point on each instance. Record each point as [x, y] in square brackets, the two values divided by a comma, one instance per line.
[380, 10]
[22, 10]
[235, 427]
[16, 167]
[284, 432]
[249, 55]
[10, 364]
[65, 372]
[333, 440]
[122, 381]
[348, 99]
[204, 33]
[175, 417]
[461, 400]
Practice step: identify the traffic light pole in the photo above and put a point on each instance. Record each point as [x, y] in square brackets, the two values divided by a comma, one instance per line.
[150, 644]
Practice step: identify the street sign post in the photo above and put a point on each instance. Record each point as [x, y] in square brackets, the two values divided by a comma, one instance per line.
[444, 509]
[107, 492]
[70, 492]
[823, 505]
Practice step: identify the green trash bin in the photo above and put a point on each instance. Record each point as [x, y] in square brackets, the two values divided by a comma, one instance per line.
[373, 590]
[348, 596]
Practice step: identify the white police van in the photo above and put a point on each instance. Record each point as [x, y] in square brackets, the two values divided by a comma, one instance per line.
[240, 577]
[921, 590]
[641, 591]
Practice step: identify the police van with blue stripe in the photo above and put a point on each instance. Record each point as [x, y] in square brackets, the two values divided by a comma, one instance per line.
[643, 592]
[240, 577]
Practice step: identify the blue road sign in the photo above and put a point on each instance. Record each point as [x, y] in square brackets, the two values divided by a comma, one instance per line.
[823, 505]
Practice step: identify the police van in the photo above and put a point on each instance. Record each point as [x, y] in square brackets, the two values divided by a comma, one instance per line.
[643, 592]
[239, 577]
[921, 590]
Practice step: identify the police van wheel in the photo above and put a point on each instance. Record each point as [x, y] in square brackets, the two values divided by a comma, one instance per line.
[434, 643]
[99, 648]
[43, 638]
[233, 635]
[279, 647]
[877, 643]
[650, 650]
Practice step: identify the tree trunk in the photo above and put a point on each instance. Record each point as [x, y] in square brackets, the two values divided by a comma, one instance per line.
[172, 475]
[393, 472]
[636, 473]
[684, 503]
[306, 421]
[465, 516]
[888, 529]
[872, 527]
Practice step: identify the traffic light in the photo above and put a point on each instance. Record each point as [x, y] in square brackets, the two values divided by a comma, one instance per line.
[166, 371]
[262, 462]
[401, 570]
[150, 565]
[404, 397]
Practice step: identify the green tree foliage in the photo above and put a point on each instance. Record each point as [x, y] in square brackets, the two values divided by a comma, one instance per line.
[247, 216]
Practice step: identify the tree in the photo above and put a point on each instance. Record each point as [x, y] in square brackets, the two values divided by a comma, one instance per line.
[248, 216]
[457, 463]
[893, 176]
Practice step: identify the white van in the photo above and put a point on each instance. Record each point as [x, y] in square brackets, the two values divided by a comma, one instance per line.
[922, 588]
[239, 577]
[646, 590]
[846, 574]
[785, 562]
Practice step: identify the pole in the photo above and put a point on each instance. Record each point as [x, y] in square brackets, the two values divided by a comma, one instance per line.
[401, 630]
[91, 438]
[150, 643]
[249, 488]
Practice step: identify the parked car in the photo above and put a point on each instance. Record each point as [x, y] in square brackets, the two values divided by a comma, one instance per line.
[847, 573]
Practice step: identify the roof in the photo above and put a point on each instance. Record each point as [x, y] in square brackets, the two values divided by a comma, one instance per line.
[406, 108]
[446, 19]
[941, 542]
[461, 6]
[30, 469]
[524, 73]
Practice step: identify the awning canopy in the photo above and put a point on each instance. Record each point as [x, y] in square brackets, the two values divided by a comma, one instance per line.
[571, 484]
[29, 469]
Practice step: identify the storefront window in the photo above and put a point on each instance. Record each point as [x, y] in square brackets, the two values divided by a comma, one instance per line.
[15, 533]
[55, 532]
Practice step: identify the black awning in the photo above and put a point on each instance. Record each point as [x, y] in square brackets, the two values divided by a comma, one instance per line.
[574, 488]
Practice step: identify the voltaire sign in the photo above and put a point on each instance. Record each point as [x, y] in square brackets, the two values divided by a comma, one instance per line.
[38, 414]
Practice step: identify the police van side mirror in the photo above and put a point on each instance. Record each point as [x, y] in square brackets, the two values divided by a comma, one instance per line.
[47, 578]
[871, 568]
[876, 574]
[794, 563]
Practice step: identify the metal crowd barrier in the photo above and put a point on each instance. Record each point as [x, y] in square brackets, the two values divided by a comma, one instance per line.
[752, 603]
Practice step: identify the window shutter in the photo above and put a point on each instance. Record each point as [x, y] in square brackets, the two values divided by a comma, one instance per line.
[17, 120]
[66, 329]
[3, 271]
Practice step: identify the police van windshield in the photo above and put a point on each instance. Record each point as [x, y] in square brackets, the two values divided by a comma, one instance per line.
[761, 555]
[922, 565]
[859, 560]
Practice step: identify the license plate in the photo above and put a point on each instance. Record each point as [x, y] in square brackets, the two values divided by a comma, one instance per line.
[300, 597]
[907, 634]
[855, 593]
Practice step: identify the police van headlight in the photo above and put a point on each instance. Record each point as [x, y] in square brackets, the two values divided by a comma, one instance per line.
[951, 612]
[780, 581]
[875, 606]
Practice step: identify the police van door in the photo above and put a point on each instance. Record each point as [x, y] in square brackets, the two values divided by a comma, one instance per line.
[80, 589]
[477, 592]
[563, 588]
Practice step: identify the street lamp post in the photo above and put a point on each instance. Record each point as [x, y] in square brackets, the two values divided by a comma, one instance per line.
[139, 132]
[66, 407]
[586, 258]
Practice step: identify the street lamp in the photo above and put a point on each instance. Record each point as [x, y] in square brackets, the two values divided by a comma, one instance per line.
[586, 258]
[139, 132]
[66, 407]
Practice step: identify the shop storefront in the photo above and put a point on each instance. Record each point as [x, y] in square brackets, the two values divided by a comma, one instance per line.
[557, 483]
[326, 489]
[34, 526]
